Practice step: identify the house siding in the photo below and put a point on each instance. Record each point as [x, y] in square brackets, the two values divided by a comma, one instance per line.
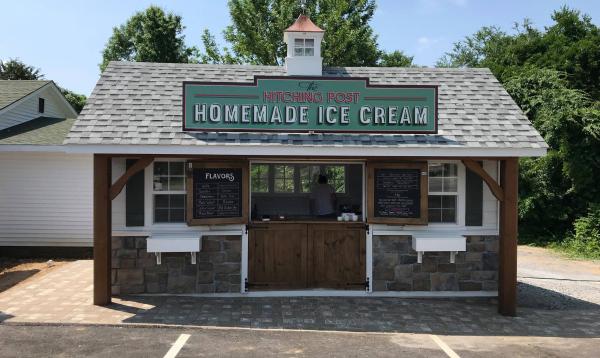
[46, 199]
[28, 109]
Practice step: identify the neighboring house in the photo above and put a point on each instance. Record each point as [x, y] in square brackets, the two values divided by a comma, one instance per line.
[45, 193]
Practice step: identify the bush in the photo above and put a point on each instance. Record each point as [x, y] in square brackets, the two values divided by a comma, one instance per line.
[586, 240]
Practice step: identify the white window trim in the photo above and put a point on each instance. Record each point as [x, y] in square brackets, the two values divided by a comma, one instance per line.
[304, 47]
[149, 195]
[461, 194]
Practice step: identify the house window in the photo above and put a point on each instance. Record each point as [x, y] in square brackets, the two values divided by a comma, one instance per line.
[304, 47]
[309, 174]
[298, 178]
[283, 179]
[168, 191]
[41, 105]
[260, 178]
[443, 192]
[336, 175]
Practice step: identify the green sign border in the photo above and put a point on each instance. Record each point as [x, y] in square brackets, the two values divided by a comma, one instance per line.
[254, 83]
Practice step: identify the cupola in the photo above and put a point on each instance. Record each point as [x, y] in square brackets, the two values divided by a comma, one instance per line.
[303, 41]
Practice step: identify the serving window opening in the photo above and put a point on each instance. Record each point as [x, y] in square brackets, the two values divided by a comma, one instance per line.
[306, 192]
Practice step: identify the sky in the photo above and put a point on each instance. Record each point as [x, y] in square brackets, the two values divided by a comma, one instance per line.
[65, 38]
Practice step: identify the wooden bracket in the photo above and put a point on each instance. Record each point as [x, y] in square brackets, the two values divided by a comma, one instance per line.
[119, 184]
[491, 183]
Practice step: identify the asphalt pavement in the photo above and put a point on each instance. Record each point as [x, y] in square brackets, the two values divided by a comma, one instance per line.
[112, 341]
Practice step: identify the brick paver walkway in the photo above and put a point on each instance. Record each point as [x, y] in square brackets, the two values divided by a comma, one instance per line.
[65, 296]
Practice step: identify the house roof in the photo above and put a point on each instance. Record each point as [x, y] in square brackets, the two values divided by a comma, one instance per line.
[137, 104]
[304, 24]
[39, 131]
[13, 90]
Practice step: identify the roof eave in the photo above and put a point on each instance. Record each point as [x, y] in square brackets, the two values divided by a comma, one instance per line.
[309, 150]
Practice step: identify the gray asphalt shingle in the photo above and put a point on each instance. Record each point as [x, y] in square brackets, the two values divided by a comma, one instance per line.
[140, 104]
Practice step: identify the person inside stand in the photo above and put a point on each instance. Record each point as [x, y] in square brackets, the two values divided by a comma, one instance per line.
[323, 199]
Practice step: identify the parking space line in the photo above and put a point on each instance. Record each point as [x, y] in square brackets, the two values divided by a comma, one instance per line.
[444, 346]
[176, 347]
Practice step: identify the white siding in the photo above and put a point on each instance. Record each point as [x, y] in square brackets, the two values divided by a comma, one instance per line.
[28, 109]
[46, 199]
[118, 203]
[490, 204]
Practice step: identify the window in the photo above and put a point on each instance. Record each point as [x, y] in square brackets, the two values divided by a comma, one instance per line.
[283, 179]
[41, 105]
[304, 47]
[336, 175]
[169, 192]
[309, 174]
[443, 192]
[260, 178]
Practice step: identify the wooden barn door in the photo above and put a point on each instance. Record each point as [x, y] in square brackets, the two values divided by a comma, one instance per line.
[277, 256]
[336, 256]
[298, 256]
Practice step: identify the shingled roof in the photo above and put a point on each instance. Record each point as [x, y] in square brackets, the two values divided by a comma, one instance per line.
[136, 104]
[14, 90]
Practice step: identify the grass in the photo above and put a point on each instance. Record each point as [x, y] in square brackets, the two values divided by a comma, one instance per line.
[568, 247]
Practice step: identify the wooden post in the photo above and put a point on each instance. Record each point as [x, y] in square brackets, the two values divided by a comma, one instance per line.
[507, 271]
[102, 230]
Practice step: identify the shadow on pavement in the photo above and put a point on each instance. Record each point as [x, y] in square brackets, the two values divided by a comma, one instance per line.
[475, 317]
[4, 316]
[11, 278]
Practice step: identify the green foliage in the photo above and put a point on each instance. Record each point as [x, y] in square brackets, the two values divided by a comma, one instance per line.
[14, 69]
[586, 240]
[212, 54]
[553, 76]
[396, 59]
[256, 34]
[152, 36]
[76, 100]
[570, 45]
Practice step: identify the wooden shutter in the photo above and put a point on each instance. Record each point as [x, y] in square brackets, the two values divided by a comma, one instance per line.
[211, 195]
[473, 199]
[134, 197]
[397, 193]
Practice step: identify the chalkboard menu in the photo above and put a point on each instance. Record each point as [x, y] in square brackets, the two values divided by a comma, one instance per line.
[217, 194]
[398, 193]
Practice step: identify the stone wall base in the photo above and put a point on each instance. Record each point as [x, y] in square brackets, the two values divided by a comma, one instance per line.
[395, 266]
[217, 267]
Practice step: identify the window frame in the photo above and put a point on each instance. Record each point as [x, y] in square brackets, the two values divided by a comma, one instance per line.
[304, 47]
[460, 193]
[41, 105]
[297, 178]
[150, 212]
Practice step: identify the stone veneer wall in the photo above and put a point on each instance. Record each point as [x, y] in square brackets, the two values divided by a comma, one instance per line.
[395, 266]
[217, 267]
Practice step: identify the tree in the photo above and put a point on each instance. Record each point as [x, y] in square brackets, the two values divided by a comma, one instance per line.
[14, 69]
[256, 34]
[152, 36]
[76, 100]
[558, 188]
[396, 59]
[570, 45]
[212, 54]
[552, 74]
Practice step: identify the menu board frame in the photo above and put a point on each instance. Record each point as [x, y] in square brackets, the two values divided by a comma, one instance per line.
[243, 165]
[424, 189]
